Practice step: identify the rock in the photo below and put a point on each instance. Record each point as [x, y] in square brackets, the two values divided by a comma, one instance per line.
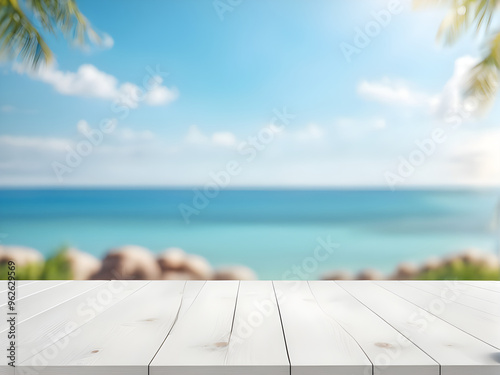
[198, 267]
[337, 275]
[176, 275]
[172, 258]
[431, 265]
[369, 274]
[20, 255]
[129, 262]
[453, 261]
[471, 256]
[490, 261]
[235, 273]
[406, 271]
[82, 265]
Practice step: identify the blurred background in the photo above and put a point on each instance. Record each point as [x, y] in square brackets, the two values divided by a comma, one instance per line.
[240, 140]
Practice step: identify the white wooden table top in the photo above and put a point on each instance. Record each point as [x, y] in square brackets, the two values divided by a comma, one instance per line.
[254, 327]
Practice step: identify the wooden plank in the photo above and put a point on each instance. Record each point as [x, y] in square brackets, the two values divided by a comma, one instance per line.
[390, 352]
[317, 344]
[470, 290]
[29, 289]
[457, 352]
[64, 319]
[198, 343]
[191, 291]
[4, 284]
[477, 323]
[121, 340]
[461, 293]
[488, 285]
[49, 298]
[257, 344]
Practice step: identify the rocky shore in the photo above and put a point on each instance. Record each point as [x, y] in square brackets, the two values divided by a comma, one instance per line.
[132, 262]
[471, 264]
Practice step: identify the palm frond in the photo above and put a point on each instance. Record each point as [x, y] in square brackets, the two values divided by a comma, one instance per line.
[19, 37]
[462, 16]
[483, 80]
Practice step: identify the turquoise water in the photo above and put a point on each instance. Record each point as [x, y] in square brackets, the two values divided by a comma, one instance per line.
[270, 231]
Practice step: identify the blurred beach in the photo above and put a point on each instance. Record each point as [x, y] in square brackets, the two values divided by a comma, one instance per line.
[269, 231]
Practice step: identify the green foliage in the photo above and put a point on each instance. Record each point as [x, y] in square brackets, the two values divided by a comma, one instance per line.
[56, 267]
[19, 37]
[476, 15]
[459, 270]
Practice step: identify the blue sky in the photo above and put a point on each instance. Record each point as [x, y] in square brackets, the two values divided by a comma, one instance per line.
[356, 121]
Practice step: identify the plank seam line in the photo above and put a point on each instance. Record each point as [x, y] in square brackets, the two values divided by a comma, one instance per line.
[341, 326]
[451, 301]
[195, 297]
[437, 316]
[381, 317]
[5, 283]
[232, 323]
[59, 304]
[283, 329]
[173, 323]
[87, 322]
[175, 320]
[480, 287]
[38, 291]
[465, 292]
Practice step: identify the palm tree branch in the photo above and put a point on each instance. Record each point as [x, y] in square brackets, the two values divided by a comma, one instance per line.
[19, 37]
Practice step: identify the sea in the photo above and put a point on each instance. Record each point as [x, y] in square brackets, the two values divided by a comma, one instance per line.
[277, 233]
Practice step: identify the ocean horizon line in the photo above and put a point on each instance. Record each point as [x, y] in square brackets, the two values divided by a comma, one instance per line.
[259, 188]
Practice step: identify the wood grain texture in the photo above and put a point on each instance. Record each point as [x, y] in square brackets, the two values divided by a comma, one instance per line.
[477, 323]
[461, 293]
[125, 337]
[24, 290]
[317, 344]
[257, 340]
[457, 352]
[63, 321]
[255, 328]
[488, 285]
[473, 291]
[4, 284]
[191, 291]
[390, 352]
[198, 342]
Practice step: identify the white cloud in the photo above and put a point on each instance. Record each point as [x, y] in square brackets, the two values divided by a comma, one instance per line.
[88, 81]
[380, 124]
[121, 133]
[450, 100]
[468, 157]
[195, 136]
[475, 156]
[392, 92]
[107, 41]
[83, 127]
[160, 95]
[224, 139]
[132, 135]
[310, 132]
[38, 143]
